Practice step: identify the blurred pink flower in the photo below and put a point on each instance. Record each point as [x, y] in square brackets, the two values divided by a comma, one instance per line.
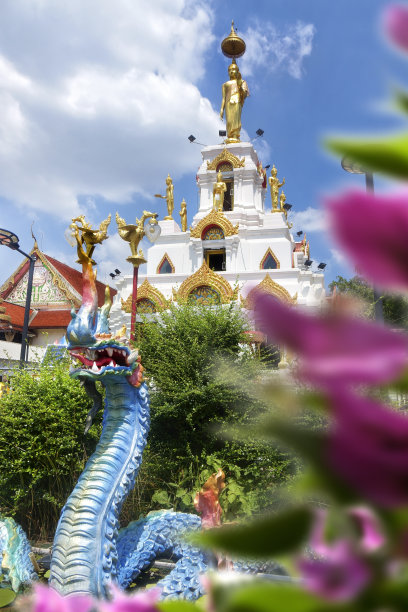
[333, 348]
[371, 535]
[143, 601]
[339, 575]
[373, 230]
[48, 600]
[368, 448]
[396, 25]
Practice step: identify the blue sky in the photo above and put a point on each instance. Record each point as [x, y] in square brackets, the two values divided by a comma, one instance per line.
[97, 99]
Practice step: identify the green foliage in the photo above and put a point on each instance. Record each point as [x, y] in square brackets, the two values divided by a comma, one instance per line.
[387, 155]
[42, 446]
[193, 409]
[395, 307]
[268, 536]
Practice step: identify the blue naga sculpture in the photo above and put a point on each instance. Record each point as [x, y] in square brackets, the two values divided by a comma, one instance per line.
[89, 551]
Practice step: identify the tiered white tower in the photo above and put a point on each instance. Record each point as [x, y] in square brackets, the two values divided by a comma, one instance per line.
[235, 242]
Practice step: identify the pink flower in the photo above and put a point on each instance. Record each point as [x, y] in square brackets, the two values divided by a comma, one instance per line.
[396, 25]
[371, 535]
[333, 348]
[338, 576]
[48, 600]
[143, 601]
[373, 231]
[368, 448]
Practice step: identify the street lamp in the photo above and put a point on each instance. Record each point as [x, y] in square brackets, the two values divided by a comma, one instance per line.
[354, 168]
[134, 234]
[10, 240]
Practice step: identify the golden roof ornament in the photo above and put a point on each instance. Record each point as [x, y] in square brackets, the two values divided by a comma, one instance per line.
[233, 46]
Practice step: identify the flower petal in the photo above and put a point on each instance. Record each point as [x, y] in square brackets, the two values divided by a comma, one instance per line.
[373, 231]
[395, 23]
[334, 348]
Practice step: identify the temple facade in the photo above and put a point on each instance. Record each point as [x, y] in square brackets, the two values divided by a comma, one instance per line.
[240, 238]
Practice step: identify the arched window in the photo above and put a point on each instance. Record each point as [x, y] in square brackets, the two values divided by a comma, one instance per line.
[165, 266]
[205, 295]
[213, 233]
[269, 261]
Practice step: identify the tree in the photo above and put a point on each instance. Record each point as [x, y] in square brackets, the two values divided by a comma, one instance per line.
[193, 408]
[395, 307]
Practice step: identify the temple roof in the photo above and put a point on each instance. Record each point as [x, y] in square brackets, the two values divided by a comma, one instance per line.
[52, 309]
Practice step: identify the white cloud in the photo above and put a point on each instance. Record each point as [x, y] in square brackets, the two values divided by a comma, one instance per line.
[309, 220]
[95, 96]
[284, 51]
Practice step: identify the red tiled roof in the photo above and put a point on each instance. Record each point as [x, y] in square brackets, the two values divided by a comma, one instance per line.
[51, 318]
[16, 313]
[74, 277]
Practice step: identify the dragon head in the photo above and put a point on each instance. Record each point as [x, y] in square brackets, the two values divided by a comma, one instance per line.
[96, 354]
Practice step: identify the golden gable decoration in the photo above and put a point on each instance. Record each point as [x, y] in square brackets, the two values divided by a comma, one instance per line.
[171, 264]
[267, 285]
[226, 156]
[205, 277]
[146, 291]
[214, 218]
[264, 258]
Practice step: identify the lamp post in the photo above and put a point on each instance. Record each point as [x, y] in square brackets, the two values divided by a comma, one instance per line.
[354, 168]
[134, 234]
[10, 240]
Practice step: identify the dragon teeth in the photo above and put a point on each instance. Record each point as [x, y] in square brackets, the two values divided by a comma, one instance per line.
[112, 365]
[132, 357]
[95, 368]
[109, 350]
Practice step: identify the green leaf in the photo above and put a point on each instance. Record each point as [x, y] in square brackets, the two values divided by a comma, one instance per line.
[264, 597]
[385, 155]
[6, 597]
[401, 100]
[178, 606]
[264, 538]
[161, 497]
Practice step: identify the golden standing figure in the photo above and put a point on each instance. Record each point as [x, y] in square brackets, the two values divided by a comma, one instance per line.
[134, 234]
[218, 193]
[282, 202]
[169, 197]
[183, 215]
[234, 93]
[88, 237]
[275, 186]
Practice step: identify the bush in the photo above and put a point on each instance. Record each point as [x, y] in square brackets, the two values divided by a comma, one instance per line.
[193, 410]
[42, 446]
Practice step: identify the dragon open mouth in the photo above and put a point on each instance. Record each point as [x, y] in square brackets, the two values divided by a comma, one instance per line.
[103, 359]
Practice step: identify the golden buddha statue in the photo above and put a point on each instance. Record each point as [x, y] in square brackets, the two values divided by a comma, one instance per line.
[275, 186]
[169, 197]
[234, 93]
[183, 215]
[218, 193]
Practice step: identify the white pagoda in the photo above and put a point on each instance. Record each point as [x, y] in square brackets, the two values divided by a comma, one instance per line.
[239, 239]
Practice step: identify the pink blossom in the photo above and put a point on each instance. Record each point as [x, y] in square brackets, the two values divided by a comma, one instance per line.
[340, 575]
[48, 600]
[371, 535]
[396, 25]
[143, 601]
[373, 231]
[368, 448]
[335, 347]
